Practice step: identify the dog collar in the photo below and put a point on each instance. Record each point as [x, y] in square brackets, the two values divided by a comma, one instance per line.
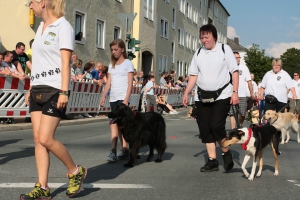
[244, 145]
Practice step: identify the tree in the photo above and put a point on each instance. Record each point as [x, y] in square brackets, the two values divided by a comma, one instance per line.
[257, 62]
[291, 60]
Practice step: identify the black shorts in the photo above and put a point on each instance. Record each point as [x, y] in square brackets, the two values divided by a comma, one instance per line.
[114, 104]
[49, 108]
[212, 119]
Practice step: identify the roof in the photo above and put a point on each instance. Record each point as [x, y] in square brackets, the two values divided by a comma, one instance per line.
[235, 46]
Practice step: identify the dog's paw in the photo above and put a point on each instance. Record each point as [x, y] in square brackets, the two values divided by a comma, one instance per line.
[281, 142]
[250, 178]
[128, 165]
[258, 174]
[276, 173]
[286, 142]
[298, 141]
[158, 160]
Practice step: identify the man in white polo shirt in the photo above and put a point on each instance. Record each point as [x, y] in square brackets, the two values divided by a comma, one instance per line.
[295, 104]
[244, 83]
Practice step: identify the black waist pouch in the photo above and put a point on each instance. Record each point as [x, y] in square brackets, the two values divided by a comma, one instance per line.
[270, 99]
[210, 96]
[42, 93]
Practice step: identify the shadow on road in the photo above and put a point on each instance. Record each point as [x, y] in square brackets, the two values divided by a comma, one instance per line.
[7, 142]
[26, 152]
[110, 171]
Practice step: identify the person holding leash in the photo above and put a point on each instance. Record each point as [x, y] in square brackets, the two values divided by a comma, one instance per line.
[295, 104]
[275, 84]
[210, 69]
[48, 94]
[119, 81]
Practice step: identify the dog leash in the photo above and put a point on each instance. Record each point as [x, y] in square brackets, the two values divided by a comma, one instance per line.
[235, 110]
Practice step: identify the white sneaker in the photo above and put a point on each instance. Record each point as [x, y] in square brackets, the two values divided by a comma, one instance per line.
[78, 117]
[87, 115]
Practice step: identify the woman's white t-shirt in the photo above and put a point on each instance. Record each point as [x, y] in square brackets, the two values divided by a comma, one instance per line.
[46, 62]
[277, 84]
[212, 68]
[119, 80]
[297, 89]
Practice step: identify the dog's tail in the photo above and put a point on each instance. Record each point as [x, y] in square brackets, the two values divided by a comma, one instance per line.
[295, 126]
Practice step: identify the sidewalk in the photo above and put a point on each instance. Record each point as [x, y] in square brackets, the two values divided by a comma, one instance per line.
[22, 125]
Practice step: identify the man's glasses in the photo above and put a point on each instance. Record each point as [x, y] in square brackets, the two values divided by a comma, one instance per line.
[296, 75]
[238, 57]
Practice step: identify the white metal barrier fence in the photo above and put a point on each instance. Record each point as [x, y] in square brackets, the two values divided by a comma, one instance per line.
[84, 97]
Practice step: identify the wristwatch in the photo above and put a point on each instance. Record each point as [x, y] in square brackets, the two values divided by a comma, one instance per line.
[62, 92]
[235, 91]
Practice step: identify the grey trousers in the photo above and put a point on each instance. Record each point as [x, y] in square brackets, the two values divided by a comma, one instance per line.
[151, 99]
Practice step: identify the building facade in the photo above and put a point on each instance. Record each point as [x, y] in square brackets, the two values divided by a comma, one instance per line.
[168, 29]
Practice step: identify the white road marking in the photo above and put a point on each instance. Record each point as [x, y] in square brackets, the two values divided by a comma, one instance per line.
[294, 181]
[85, 185]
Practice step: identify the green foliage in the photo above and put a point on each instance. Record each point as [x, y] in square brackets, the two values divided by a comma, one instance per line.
[291, 61]
[257, 62]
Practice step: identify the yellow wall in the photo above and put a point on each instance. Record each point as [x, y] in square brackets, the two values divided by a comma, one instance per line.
[15, 27]
[135, 32]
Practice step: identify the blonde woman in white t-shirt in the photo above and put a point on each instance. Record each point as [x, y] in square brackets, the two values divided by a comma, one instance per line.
[119, 81]
[52, 49]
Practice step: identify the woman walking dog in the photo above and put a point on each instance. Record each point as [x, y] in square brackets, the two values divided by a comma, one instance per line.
[119, 81]
[210, 69]
[50, 77]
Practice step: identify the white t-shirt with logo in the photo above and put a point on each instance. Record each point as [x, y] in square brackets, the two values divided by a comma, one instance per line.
[297, 89]
[119, 80]
[212, 68]
[244, 77]
[277, 84]
[46, 62]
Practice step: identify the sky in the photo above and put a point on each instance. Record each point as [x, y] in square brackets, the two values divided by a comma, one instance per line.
[272, 24]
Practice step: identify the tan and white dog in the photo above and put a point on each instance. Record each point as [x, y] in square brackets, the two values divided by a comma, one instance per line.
[284, 122]
[254, 141]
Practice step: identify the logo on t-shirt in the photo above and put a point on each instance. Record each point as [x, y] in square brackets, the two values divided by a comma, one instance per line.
[278, 78]
[50, 38]
[240, 72]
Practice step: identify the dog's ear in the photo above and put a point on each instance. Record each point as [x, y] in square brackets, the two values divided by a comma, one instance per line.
[241, 132]
[128, 113]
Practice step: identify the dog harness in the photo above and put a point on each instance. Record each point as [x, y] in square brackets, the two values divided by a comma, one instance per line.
[244, 145]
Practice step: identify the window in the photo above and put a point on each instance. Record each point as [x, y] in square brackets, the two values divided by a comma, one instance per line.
[182, 6]
[179, 67]
[162, 63]
[172, 51]
[80, 26]
[117, 32]
[148, 9]
[164, 28]
[187, 9]
[200, 8]
[174, 18]
[100, 34]
[181, 36]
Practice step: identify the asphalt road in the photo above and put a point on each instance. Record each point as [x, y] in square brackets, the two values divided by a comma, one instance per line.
[177, 177]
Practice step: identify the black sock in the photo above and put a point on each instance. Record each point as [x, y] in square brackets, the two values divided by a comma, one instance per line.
[114, 151]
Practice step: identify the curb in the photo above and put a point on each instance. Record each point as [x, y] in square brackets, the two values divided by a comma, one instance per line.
[26, 126]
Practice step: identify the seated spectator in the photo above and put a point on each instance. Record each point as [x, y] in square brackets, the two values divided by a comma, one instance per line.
[135, 78]
[3, 70]
[140, 77]
[7, 62]
[103, 76]
[79, 36]
[162, 81]
[179, 83]
[88, 67]
[79, 75]
[168, 79]
[161, 102]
